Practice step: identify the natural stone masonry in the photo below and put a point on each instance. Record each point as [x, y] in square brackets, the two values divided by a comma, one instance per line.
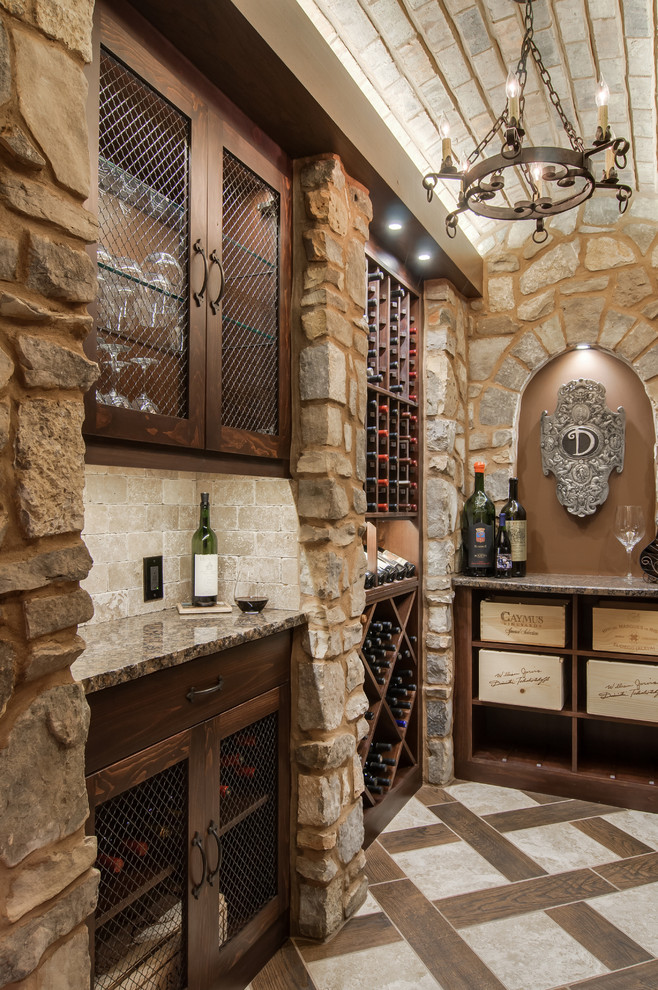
[47, 881]
[561, 303]
[446, 402]
[328, 462]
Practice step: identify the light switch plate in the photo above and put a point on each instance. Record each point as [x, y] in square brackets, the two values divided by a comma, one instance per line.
[153, 583]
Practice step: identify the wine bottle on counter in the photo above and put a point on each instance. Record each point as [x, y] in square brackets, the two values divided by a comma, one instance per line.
[516, 526]
[204, 558]
[503, 550]
[478, 517]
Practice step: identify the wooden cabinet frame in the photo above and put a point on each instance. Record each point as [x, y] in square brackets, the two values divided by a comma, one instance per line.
[216, 124]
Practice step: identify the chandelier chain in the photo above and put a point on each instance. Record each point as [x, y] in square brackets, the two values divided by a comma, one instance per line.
[489, 136]
[529, 47]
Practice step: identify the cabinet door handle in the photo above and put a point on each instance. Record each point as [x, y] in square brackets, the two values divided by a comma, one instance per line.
[214, 303]
[197, 841]
[194, 693]
[198, 249]
[212, 830]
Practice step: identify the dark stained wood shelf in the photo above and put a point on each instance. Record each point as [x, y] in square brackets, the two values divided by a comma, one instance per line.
[570, 752]
[112, 900]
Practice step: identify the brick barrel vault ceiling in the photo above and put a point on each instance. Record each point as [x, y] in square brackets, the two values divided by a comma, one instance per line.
[416, 59]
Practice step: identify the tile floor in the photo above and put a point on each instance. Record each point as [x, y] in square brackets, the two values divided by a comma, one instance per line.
[475, 887]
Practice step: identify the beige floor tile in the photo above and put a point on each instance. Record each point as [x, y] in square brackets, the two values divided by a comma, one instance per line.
[442, 871]
[487, 799]
[369, 906]
[413, 814]
[635, 911]
[531, 952]
[560, 847]
[386, 967]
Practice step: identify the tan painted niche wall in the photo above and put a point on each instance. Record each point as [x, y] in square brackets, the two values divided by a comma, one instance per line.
[559, 542]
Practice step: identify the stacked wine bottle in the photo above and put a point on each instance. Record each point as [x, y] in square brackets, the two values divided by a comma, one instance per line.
[392, 416]
[389, 655]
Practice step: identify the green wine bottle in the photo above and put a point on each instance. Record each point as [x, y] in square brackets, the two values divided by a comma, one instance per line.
[478, 519]
[204, 558]
[516, 526]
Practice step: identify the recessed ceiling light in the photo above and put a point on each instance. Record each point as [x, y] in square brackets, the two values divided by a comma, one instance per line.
[582, 347]
[424, 257]
[395, 226]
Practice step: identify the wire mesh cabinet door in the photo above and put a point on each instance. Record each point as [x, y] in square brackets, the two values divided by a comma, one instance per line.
[139, 812]
[252, 830]
[152, 265]
[248, 383]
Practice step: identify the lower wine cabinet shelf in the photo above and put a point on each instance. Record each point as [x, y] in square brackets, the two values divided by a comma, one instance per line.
[611, 758]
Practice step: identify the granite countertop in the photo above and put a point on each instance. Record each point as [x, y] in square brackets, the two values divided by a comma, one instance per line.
[584, 584]
[124, 649]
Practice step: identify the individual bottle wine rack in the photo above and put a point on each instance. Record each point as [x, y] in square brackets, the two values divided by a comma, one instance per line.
[392, 413]
[390, 659]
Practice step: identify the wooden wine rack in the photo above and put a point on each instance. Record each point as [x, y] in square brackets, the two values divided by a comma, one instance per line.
[390, 644]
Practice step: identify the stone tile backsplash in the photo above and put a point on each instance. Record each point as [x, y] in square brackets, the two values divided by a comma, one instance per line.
[132, 513]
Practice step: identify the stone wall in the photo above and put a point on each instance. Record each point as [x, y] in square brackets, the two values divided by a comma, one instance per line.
[594, 281]
[131, 513]
[47, 883]
[331, 216]
[446, 323]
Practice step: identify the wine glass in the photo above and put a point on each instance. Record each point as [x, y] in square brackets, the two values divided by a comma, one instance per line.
[143, 400]
[629, 529]
[249, 595]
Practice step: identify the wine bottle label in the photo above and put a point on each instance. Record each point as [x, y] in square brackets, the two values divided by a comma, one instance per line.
[517, 529]
[205, 574]
[480, 545]
[503, 562]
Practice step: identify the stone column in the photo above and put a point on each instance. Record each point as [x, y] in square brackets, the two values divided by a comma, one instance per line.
[446, 400]
[47, 883]
[331, 217]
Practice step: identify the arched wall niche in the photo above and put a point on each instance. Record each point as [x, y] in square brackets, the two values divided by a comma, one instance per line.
[558, 541]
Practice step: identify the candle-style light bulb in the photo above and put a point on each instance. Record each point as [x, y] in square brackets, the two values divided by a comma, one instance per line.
[537, 171]
[513, 91]
[602, 98]
[444, 131]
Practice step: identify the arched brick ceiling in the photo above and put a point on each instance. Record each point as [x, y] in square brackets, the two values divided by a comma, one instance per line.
[417, 59]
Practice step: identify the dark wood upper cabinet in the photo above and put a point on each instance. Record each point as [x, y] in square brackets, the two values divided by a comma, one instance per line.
[191, 322]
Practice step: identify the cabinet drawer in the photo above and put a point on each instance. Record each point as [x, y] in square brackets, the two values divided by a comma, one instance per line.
[523, 622]
[129, 717]
[625, 630]
[533, 680]
[622, 690]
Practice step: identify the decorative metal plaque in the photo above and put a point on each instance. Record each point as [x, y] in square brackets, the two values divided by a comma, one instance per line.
[581, 443]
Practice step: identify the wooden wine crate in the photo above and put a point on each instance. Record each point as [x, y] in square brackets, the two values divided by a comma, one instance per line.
[625, 630]
[528, 622]
[623, 690]
[534, 680]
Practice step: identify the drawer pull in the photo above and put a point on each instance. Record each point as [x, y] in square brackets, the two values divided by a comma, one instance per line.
[212, 830]
[196, 889]
[194, 693]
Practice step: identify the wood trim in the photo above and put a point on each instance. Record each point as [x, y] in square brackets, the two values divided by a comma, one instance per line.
[115, 453]
[135, 769]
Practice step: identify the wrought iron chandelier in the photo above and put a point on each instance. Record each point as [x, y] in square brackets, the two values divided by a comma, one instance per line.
[547, 171]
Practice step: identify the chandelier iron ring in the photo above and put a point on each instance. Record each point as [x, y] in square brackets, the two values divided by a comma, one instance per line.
[560, 166]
